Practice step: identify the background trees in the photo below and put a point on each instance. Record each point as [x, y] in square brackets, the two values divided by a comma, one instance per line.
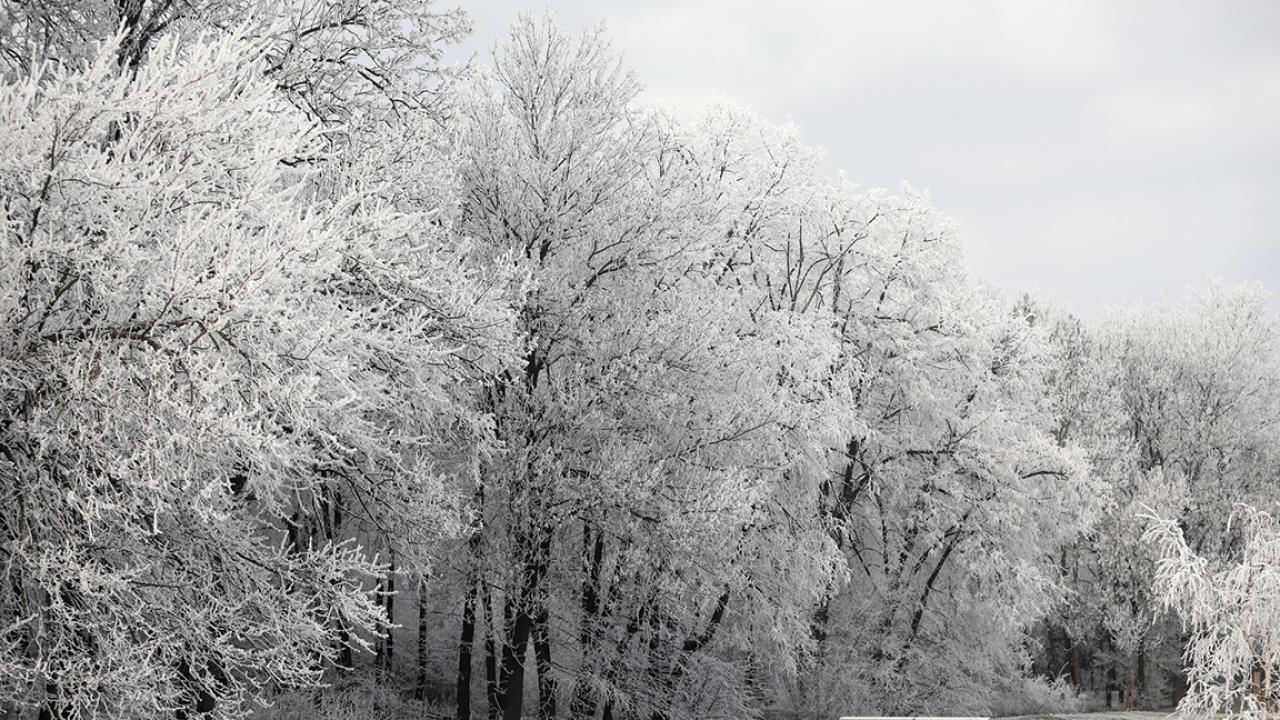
[1188, 391]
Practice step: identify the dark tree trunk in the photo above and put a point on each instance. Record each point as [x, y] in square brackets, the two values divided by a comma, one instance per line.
[511, 675]
[1141, 685]
[810, 683]
[582, 703]
[380, 599]
[465, 642]
[466, 639]
[492, 691]
[542, 652]
[346, 660]
[1076, 679]
[420, 685]
[332, 531]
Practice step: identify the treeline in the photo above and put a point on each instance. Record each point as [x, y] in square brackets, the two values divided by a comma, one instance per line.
[339, 382]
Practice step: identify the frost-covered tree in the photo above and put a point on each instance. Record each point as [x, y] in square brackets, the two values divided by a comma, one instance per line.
[196, 343]
[370, 73]
[944, 478]
[325, 54]
[659, 436]
[954, 497]
[1232, 610]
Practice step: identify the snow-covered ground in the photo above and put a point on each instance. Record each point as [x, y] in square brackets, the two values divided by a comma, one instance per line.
[1104, 715]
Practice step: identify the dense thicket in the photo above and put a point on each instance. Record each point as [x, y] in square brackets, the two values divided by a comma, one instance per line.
[335, 382]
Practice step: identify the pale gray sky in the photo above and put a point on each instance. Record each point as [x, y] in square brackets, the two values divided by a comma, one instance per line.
[1097, 152]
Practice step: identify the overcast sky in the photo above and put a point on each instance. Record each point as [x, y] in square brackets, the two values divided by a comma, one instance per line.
[1096, 152]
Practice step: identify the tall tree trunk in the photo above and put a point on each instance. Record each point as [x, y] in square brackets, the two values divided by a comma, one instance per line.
[333, 529]
[1131, 682]
[1140, 686]
[346, 660]
[811, 682]
[465, 643]
[542, 653]
[492, 690]
[834, 509]
[582, 702]
[511, 674]
[511, 677]
[420, 685]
